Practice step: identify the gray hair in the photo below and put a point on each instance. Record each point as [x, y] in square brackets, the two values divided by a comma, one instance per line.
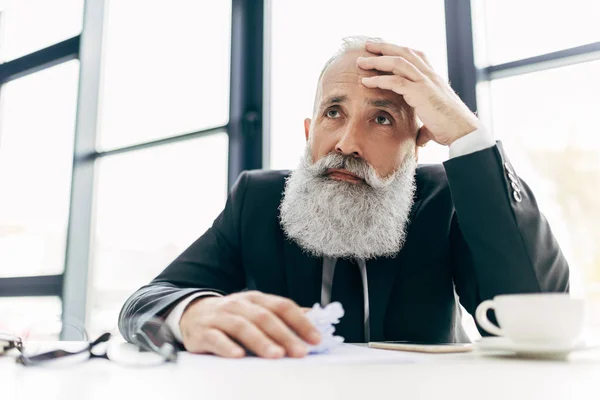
[349, 43]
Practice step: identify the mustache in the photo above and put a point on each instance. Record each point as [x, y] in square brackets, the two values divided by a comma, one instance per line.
[356, 166]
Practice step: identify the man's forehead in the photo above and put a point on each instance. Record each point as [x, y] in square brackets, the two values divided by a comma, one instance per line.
[344, 69]
[343, 76]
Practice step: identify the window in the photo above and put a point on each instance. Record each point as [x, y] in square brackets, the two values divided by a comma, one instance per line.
[169, 75]
[547, 122]
[305, 34]
[150, 206]
[152, 182]
[31, 317]
[160, 89]
[544, 110]
[509, 30]
[30, 25]
[36, 156]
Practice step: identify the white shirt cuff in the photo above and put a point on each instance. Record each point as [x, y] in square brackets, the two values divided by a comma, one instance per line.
[477, 140]
[174, 316]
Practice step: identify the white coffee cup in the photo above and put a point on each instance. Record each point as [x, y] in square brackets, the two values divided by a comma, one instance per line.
[540, 318]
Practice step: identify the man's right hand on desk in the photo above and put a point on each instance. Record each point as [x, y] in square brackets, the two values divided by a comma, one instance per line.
[267, 325]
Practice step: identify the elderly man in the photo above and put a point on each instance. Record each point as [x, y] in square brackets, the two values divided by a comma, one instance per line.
[359, 222]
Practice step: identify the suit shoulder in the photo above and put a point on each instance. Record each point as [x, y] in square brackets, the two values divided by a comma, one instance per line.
[264, 186]
[265, 179]
[431, 179]
[432, 172]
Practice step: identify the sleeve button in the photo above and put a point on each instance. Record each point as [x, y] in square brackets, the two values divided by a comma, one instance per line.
[517, 196]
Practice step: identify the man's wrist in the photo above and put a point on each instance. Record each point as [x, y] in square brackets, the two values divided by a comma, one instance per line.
[174, 317]
[468, 129]
[477, 140]
[192, 303]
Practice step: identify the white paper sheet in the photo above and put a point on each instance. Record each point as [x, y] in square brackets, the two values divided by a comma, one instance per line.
[342, 354]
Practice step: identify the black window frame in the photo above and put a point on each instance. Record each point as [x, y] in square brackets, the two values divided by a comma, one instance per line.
[244, 129]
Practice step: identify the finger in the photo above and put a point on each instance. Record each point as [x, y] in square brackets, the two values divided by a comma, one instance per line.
[270, 324]
[216, 342]
[394, 83]
[424, 57]
[417, 58]
[396, 65]
[245, 332]
[291, 314]
[423, 136]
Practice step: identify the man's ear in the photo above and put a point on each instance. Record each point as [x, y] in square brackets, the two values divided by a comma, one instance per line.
[307, 127]
[423, 136]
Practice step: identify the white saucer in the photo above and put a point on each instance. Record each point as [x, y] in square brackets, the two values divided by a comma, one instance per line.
[530, 349]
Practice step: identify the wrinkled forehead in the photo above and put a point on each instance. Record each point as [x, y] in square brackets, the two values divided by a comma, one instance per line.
[343, 76]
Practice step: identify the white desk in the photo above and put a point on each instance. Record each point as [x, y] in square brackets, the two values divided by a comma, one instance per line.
[455, 376]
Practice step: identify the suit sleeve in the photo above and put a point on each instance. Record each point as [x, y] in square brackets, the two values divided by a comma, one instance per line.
[211, 263]
[500, 241]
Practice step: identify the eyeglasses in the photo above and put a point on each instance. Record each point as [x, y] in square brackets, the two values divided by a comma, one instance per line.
[153, 344]
[8, 342]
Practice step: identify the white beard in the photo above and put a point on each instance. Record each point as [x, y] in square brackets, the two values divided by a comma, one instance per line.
[339, 219]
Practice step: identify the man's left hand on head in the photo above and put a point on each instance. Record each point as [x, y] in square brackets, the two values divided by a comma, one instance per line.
[445, 117]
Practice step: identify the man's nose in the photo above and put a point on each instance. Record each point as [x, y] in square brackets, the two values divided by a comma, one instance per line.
[349, 142]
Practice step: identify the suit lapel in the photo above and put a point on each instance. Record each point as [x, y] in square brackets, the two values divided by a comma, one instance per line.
[303, 275]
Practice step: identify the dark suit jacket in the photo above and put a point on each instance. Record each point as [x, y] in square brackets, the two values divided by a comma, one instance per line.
[467, 232]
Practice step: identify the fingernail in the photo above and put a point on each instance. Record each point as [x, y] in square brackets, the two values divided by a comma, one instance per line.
[359, 59]
[365, 79]
[315, 337]
[274, 351]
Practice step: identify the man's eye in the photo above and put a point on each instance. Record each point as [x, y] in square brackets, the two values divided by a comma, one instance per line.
[333, 113]
[380, 119]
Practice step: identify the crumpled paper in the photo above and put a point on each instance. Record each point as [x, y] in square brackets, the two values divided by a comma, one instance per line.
[324, 319]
